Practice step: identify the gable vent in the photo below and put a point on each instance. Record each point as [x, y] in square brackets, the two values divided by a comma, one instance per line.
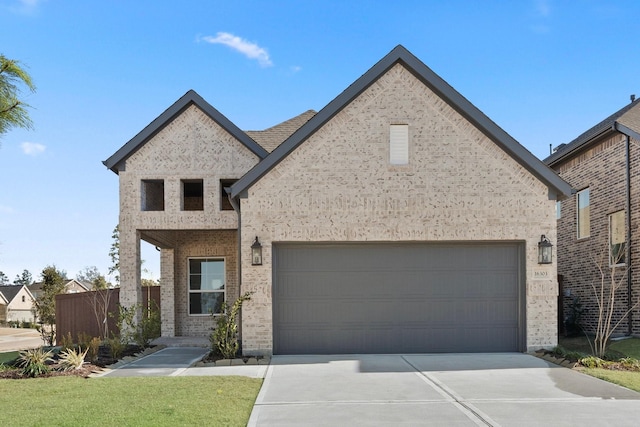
[399, 144]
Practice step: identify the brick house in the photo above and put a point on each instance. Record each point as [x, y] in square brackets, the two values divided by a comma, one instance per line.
[597, 222]
[398, 218]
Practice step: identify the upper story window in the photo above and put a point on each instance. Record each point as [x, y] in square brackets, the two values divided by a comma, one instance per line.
[152, 192]
[192, 195]
[584, 217]
[558, 209]
[225, 204]
[399, 144]
[617, 239]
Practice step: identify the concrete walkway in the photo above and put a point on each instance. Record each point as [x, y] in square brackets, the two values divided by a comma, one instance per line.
[178, 361]
[450, 389]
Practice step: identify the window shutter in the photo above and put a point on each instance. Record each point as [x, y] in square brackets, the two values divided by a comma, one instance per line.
[399, 144]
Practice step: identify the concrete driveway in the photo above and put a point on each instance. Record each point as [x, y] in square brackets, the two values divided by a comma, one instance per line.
[451, 389]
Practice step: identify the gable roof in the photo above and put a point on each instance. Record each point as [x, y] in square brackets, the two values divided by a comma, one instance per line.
[272, 137]
[115, 162]
[626, 120]
[10, 292]
[400, 55]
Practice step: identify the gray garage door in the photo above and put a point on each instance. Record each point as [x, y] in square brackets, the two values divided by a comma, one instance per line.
[398, 298]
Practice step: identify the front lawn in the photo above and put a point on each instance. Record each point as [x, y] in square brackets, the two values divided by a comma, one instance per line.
[617, 349]
[154, 401]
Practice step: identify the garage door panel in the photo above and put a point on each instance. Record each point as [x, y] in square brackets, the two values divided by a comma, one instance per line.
[391, 298]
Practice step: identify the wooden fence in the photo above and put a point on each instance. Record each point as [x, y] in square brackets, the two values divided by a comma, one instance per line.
[85, 313]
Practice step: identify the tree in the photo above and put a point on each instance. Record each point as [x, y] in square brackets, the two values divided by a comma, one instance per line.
[45, 305]
[4, 280]
[25, 279]
[13, 111]
[114, 254]
[605, 289]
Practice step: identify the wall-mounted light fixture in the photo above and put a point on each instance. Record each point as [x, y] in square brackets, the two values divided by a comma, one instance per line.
[545, 250]
[256, 253]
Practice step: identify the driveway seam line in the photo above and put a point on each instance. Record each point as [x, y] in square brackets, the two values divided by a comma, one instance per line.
[457, 401]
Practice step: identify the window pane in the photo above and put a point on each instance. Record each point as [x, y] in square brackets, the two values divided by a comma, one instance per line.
[399, 144]
[194, 281]
[205, 303]
[617, 238]
[584, 222]
[194, 266]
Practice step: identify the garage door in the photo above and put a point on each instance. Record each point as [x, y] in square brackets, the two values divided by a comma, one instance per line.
[398, 298]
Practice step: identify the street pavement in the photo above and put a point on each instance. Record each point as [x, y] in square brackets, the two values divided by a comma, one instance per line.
[14, 339]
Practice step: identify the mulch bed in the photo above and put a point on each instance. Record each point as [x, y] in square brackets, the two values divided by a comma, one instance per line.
[104, 359]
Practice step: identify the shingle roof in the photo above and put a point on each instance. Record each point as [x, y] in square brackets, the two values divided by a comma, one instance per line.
[190, 98]
[270, 138]
[629, 116]
[10, 292]
[401, 55]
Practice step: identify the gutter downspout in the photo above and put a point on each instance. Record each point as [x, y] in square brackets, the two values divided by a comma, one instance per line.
[236, 207]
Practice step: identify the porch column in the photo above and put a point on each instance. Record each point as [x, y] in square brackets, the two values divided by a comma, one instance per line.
[130, 289]
[167, 293]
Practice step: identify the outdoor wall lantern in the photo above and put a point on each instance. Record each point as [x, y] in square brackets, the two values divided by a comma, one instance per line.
[545, 250]
[256, 253]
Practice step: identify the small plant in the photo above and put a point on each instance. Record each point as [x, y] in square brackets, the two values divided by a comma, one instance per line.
[149, 327]
[630, 363]
[66, 341]
[592, 362]
[224, 339]
[116, 347]
[92, 349]
[71, 359]
[34, 362]
[573, 320]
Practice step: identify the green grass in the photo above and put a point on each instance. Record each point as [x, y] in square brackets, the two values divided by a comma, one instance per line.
[156, 401]
[624, 378]
[629, 347]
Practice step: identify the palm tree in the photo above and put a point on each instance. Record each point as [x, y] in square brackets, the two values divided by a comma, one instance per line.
[13, 112]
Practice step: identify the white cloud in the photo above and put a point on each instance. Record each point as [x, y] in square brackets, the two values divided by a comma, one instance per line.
[296, 69]
[26, 6]
[32, 148]
[248, 49]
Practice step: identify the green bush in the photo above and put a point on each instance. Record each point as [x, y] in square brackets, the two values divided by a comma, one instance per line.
[116, 347]
[592, 362]
[224, 339]
[34, 362]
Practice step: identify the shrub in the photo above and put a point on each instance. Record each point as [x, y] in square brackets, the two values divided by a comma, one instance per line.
[116, 347]
[149, 327]
[66, 341]
[34, 362]
[592, 362]
[224, 339]
[71, 359]
[92, 349]
[630, 363]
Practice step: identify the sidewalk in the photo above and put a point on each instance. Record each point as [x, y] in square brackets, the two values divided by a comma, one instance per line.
[178, 361]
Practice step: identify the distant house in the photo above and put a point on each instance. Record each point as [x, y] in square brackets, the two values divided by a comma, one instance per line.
[16, 304]
[600, 223]
[397, 219]
[73, 286]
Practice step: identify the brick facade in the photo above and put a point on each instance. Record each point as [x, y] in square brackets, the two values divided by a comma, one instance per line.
[601, 168]
[339, 186]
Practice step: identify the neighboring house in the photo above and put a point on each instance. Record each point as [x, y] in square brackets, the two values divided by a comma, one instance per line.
[72, 286]
[596, 225]
[398, 219]
[19, 304]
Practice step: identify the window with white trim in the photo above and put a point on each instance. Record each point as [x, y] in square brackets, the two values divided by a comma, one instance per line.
[584, 216]
[399, 144]
[617, 239]
[206, 286]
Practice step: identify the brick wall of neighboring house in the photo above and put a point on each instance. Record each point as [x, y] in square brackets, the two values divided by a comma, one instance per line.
[338, 186]
[191, 147]
[601, 168]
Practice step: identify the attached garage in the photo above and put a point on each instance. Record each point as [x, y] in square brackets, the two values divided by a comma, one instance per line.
[398, 298]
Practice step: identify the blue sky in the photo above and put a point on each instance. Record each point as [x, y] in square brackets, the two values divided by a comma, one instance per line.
[543, 70]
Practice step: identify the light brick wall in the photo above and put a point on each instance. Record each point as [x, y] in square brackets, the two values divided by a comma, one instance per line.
[339, 186]
[191, 147]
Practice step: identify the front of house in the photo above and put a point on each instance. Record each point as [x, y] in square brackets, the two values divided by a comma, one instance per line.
[397, 219]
